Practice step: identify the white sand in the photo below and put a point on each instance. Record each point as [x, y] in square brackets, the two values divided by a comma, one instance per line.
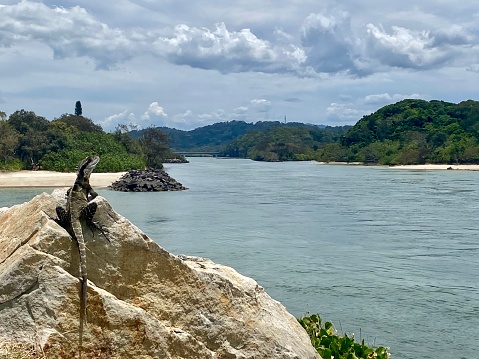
[438, 167]
[412, 167]
[53, 179]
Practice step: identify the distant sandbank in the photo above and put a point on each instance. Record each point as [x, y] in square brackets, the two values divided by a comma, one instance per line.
[438, 167]
[52, 179]
[416, 167]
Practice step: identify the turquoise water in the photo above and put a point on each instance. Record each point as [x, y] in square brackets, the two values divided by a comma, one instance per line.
[390, 255]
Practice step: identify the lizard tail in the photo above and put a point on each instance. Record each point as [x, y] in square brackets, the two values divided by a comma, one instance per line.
[84, 289]
[76, 226]
[83, 292]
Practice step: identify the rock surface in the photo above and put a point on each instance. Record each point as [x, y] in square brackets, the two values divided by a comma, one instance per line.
[143, 302]
[149, 180]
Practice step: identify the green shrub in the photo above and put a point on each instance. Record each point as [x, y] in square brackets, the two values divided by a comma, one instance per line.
[330, 345]
[114, 157]
[13, 165]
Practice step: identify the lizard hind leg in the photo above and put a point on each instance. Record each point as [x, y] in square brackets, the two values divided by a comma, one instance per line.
[62, 214]
[87, 213]
[63, 219]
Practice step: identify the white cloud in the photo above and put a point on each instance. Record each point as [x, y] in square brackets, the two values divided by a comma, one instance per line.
[385, 98]
[122, 118]
[154, 110]
[240, 110]
[403, 47]
[329, 42]
[154, 115]
[416, 49]
[69, 32]
[328, 39]
[228, 51]
[260, 105]
[352, 111]
[342, 112]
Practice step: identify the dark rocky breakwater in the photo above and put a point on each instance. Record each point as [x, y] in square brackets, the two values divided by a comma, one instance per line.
[149, 180]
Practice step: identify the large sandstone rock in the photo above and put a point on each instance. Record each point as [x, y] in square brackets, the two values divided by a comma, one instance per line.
[143, 302]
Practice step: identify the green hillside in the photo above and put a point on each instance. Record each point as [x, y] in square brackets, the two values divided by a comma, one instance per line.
[412, 132]
[216, 136]
[407, 132]
[283, 143]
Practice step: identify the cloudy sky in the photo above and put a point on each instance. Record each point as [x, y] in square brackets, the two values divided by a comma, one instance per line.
[186, 64]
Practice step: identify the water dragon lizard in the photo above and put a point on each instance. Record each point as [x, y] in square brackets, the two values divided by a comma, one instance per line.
[78, 209]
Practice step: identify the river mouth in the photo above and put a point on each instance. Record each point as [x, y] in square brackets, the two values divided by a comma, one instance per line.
[390, 256]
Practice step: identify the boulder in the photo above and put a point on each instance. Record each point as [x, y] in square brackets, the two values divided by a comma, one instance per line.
[176, 160]
[143, 302]
[149, 180]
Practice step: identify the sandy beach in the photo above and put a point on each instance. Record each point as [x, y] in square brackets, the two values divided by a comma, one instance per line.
[52, 179]
[412, 167]
[438, 167]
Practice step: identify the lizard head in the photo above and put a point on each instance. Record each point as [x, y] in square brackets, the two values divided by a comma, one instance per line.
[86, 167]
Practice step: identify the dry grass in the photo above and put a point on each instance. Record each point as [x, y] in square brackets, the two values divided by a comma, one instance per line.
[10, 350]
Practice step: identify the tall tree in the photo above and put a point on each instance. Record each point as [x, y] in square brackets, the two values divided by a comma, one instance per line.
[78, 109]
[8, 141]
[34, 141]
[24, 121]
[121, 135]
[79, 122]
[154, 144]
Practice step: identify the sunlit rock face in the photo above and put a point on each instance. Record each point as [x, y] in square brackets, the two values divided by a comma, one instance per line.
[143, 302]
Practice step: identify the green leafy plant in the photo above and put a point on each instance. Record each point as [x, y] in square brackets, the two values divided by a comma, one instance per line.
[13, 165]
[330, 345]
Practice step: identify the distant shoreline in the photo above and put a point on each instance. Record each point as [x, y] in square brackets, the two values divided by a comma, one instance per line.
[413, 167]
[24, 179]
[438, 167]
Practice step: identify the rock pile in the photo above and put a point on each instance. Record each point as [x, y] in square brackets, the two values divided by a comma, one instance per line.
[149, 180]
[175, 160]
[143, 302]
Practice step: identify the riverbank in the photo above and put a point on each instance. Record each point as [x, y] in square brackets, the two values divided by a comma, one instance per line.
[438, 167]
[20, 179]
[413, 167]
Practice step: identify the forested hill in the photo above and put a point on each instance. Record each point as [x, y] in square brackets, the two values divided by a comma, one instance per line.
[408, 132]
[214, 137]
[262, 141]
[412, 132]
[284, 143]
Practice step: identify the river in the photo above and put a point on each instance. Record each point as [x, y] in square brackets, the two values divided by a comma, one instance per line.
[389, 255]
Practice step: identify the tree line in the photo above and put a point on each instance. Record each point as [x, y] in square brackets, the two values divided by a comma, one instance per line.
[283, 143]
[216, 136]
[407, 132]
[29, 141]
